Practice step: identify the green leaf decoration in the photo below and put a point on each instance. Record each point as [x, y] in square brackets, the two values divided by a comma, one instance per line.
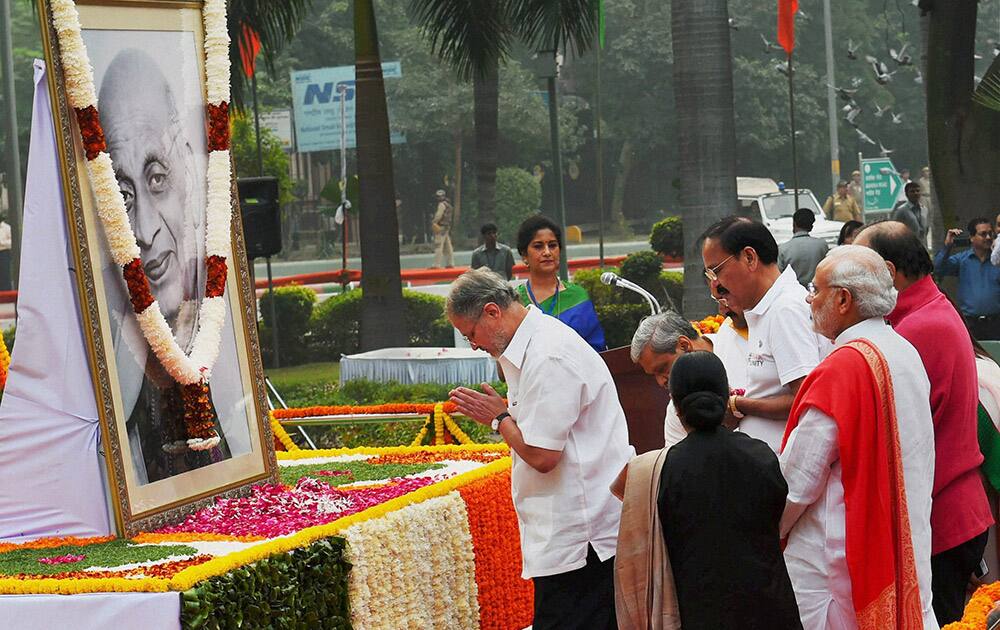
[109, 554]
[306, 588]
[356, 471]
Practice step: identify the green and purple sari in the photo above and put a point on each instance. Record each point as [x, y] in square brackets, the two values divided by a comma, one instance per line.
[572, 306]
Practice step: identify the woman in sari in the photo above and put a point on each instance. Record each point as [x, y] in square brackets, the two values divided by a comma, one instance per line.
[717, 497]
[540, 243]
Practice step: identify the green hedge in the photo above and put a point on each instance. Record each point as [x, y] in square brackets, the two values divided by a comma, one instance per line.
[619, 322]
[336, 323]
[293, 307]
[667, 237]
[305, 588]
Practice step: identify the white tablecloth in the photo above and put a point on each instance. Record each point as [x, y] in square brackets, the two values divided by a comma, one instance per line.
[92, 611]
[463, 366]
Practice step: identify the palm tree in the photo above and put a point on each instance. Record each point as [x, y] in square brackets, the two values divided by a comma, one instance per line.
[382, 306]
[706, 128]
[475, 36]
[274, 21]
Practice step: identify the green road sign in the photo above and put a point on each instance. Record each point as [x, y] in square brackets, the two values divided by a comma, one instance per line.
[881, 184]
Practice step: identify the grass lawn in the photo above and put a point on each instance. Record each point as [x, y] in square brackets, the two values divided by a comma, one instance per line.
[319, 384]
[309, 374]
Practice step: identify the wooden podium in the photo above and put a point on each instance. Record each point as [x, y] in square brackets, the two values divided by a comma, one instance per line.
[644, 401]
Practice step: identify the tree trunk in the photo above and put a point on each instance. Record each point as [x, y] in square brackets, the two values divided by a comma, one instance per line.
[616, 222]
[703, 92]
[963, 138]
[486, 95]
[382, 323]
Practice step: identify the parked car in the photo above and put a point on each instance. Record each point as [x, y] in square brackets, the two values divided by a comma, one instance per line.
[762, 200]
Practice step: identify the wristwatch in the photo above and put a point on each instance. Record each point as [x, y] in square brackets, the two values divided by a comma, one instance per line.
[495, 425]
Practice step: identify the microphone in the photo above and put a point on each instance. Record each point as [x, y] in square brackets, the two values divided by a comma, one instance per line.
[612, 279]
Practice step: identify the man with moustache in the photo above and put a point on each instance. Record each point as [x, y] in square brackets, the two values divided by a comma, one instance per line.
[568, 440]
[156, 171]
[783, 348]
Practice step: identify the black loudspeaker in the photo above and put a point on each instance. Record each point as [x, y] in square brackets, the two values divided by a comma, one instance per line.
[261, 215]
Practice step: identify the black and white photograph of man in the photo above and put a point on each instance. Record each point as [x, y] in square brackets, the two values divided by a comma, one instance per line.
[150, 98]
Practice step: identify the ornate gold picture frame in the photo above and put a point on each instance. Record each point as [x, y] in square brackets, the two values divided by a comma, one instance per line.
[149, 74]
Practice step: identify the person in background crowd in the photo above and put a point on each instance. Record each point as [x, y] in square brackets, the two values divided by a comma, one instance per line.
[857, 189]
[960, 513]
[5, 245]
[910, 213]
[720, 499]
[905, 175]
[858, 456]
[926, 200]
[989, 443]
[802, 252]
[568, 440]
[841, 206]
[444, 214]
[978, 279]
[848, 231]
[540, 243]
[742, 256]
[995, 256]
[493, 255]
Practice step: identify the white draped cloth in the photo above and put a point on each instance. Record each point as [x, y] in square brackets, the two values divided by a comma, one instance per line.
[814, 516]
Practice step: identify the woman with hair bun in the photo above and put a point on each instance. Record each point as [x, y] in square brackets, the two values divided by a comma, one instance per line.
[717, 497]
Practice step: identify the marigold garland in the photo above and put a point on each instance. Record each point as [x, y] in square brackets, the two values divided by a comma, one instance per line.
[978, 608]
[355, 410]
[505, 599]
[709, 325]
[4, 361]
[190, 370]
[280, 434]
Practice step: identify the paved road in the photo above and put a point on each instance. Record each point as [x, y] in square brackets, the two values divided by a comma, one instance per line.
[418, 261]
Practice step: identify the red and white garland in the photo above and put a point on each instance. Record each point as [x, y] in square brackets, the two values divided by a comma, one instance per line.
[192, 370]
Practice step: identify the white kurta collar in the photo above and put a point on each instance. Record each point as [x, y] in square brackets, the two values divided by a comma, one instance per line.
[518, 345]
[864, 328]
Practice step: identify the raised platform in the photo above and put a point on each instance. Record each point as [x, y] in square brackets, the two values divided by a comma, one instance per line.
[420, 365]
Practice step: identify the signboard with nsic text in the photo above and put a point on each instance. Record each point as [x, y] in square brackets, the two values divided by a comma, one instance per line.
[316, 95]
[881, 184]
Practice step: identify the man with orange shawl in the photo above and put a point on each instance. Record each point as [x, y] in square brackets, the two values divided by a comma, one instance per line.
[858, 456]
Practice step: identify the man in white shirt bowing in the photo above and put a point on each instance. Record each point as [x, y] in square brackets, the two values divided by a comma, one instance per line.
[568, 439]
[742, 255]
[858, 457]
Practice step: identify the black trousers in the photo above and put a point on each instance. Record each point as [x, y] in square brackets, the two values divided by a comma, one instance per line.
[950, 573]
[584, 598]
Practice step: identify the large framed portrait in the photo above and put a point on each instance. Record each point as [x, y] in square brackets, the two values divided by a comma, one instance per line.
[149, 70]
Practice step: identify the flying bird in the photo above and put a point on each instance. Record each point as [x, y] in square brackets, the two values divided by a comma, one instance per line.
[919, 79]
[852, 50]
[864, 137]
[844, 93]
[769, 46]
[733, 25]
[805, 17]
[901, 58]
[851, 115]
[882, 74]
[884, 151]
[783, 68]
[879, 110]
[897, 119]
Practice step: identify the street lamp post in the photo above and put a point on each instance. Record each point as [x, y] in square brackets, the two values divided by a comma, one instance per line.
[551, 73]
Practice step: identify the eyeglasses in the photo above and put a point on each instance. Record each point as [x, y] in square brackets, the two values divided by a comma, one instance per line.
[814, 291]
[472, 333]
[712, 273]
[721, 301]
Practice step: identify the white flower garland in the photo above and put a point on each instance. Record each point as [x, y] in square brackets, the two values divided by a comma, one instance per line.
[79, 78]
[414, 568]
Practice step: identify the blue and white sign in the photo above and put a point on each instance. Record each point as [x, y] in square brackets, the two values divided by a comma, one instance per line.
[316, 95]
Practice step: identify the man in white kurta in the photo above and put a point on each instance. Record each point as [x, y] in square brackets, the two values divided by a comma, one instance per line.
[568, 440]
[851, 294]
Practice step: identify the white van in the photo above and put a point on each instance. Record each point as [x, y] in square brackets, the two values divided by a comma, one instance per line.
[761, 200]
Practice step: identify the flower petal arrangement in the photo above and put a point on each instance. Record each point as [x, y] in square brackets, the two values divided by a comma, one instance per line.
[367, 536]
[191, 370]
